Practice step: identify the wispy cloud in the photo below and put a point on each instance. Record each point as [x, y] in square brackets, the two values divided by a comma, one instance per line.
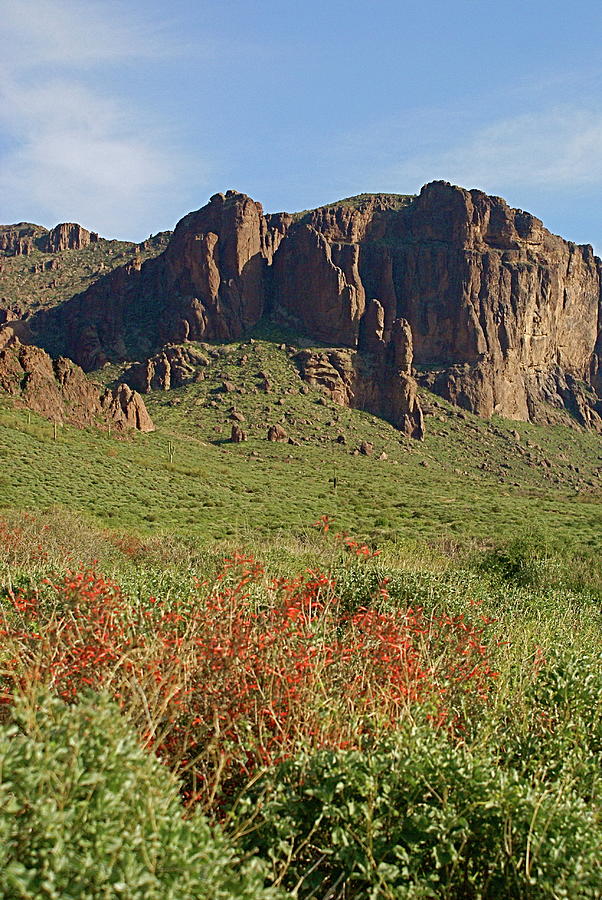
[71, 33]
[557, 149]
[75, 148]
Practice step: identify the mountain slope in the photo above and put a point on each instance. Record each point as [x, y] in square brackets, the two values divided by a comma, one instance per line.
[503, 316]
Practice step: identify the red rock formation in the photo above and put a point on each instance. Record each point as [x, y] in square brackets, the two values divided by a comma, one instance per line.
[68, 236]
[173, 367]
[382, 384]
[503, 315]
[59, 390]
[277, 434]
[20, 239]
[125, 409]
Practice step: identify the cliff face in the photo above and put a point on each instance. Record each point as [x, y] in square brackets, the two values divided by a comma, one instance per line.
[22, 239]
[59, 390]
[502, 315]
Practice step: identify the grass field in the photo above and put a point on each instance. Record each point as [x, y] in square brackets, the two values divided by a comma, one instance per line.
[197, 657]
[471, 479]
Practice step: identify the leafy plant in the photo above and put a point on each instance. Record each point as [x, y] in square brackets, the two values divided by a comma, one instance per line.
[417, 816]
[86, 813]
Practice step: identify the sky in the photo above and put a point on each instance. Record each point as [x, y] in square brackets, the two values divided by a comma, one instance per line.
[124, 116]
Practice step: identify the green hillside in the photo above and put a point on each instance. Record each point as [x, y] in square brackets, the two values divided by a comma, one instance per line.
[471, 479]
[41, 280]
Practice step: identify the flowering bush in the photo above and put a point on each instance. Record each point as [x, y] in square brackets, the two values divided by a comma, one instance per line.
[247, 671]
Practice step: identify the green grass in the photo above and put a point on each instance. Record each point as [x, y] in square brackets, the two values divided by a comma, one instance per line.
[22, 285]
[470, 480]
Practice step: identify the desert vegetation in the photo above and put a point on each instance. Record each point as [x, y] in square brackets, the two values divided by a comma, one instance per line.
[268, 669]
[313, 717]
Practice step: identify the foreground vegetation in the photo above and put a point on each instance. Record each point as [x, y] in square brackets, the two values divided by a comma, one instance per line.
[261, 670]
[309, 717]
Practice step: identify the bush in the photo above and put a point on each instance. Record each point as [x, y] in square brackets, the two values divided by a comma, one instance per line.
[85, 812]
[524, 561]
[417, 816]
[559, 734]
[245, 675]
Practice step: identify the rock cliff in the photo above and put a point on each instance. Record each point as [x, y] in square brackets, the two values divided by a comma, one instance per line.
[23, 238]
[476, 300]
[68, 236]
[59, 390]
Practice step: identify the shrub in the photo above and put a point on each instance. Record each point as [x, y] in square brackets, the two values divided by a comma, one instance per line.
[85, 812]
[235, 680]
[524, 561]
[417, 816]
[559, 734]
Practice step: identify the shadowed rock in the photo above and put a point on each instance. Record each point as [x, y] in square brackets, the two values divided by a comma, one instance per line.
[503, 316]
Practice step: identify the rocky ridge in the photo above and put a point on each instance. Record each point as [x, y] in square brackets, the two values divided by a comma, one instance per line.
[497, 314]
[59, 390]
[23, 238]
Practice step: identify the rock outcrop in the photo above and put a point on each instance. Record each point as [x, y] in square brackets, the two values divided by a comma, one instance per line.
[381, 382]
[20, 239]
[68, 236]
[125, 408]
[174, 367]
[498, 315]
[23, 238]
[59, 390]
[277, 434]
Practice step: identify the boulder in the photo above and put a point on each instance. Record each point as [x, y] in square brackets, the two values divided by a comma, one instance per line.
[277, 434]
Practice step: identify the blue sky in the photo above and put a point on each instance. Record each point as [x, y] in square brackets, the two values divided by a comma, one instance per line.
[126, 115]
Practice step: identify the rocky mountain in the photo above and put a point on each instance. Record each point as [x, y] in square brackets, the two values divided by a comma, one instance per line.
[59, 390]
[24, 238]
[475, 300]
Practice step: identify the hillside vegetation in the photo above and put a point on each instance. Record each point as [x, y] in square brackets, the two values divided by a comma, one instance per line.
[261, 670]
[471, 478]
[41, 280]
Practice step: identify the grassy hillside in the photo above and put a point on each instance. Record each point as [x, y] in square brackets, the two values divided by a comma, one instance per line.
[41, 280]
[471, 479]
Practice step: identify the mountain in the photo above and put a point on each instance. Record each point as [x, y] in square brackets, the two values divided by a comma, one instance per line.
[453, 288]
[40, 267]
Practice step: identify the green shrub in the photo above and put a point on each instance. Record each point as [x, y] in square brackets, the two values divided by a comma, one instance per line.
[559, 735]
[417, 817]
[85, 812]
[524, 561]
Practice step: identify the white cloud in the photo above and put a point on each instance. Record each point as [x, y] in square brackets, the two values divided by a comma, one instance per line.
[75, 150]
[72, 33]
[555, 149]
